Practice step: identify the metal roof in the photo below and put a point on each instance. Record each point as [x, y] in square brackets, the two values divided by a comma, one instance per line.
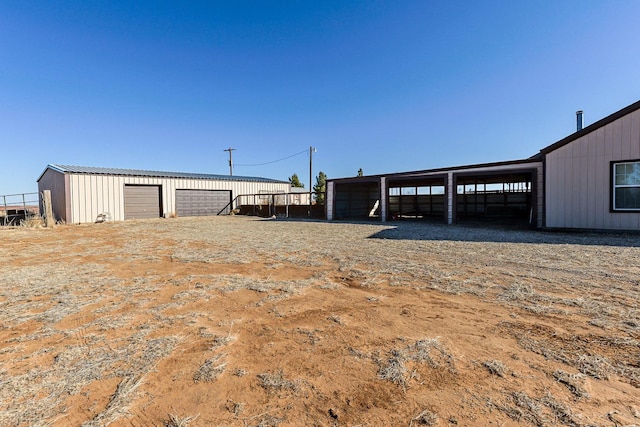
[155, 174]
[517, 165]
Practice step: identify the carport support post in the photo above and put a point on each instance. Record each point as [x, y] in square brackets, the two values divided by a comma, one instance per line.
[328, 201]
[286, 202]
[450, 195]
[383, 199]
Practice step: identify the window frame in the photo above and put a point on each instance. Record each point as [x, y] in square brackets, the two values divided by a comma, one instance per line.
[613, 187]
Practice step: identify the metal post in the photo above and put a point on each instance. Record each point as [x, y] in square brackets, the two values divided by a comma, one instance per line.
[450, 198]
[383, 199]
[579, 116]
[311, 151]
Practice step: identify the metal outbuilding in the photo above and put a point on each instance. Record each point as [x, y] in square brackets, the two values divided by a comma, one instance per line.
[87, 194]
[589, 180]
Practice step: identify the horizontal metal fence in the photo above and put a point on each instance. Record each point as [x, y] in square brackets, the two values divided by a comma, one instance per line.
[15, 208]
[289, 205]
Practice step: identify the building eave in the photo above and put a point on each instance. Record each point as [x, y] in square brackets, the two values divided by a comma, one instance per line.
[373, 178]
[84, 170]
[593, 127]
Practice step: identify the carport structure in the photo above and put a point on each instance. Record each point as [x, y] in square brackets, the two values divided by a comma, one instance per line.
[504, 192]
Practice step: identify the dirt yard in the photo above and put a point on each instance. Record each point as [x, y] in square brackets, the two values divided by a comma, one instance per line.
[236, 321]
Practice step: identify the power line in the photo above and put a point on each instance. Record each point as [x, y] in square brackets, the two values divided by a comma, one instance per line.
[275, 161]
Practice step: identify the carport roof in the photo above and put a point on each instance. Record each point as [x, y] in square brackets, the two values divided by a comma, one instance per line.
[155, 174]
[517, 165]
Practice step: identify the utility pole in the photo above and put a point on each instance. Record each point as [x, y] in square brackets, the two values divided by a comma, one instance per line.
[311, 151]
[230, 160]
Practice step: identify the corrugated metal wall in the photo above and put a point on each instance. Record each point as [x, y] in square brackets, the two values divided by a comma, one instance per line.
[579, 182]
[540, 195]
[57, 183]
[91, 195]
[356, 201]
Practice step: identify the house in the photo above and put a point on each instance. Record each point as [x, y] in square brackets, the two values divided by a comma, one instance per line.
[593, 176]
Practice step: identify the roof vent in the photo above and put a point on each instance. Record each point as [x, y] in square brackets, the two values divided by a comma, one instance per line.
[578, 120]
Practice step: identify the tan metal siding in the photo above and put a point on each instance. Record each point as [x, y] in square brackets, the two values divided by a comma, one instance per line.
[601, 185]
[592, 165]
[89, 195]
[578, 177]
[84, 190]
[54, 181]
[118, 187]
[75, 199]
[101, 189]
[580, 194]
[94, 192]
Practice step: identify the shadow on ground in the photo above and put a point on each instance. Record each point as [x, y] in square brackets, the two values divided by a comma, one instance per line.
[494, 233]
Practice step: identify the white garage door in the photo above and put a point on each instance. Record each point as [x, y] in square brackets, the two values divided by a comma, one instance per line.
[142, 201]
[202, 202]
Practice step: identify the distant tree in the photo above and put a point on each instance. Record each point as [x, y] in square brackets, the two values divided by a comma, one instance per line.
[295, 181]
[360, 172]
[320, 188]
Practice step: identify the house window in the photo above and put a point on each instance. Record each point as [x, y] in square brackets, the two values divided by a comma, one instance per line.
[626, 186]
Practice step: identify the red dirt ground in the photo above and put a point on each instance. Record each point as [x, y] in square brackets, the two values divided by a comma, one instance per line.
[242, 322]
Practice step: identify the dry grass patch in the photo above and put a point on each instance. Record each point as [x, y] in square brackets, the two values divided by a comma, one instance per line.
[425, 418]
[539, 412]
[211, 369]
[275, 381]
[574, 382]
[177, 421]
[495, 367]
[395, 367]
[594, 355]
[120, 303]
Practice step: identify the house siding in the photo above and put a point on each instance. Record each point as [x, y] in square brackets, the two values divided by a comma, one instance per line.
[578, 177]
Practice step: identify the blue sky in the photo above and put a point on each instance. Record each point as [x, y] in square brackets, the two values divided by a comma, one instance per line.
[382, 86]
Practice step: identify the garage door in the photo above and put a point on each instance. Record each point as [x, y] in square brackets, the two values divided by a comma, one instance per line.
[202, 202]
[142, 201]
